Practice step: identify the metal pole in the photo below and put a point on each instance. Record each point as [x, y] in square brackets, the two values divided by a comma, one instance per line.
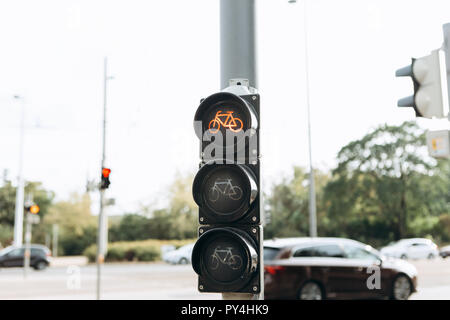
[55, 240]
[18, 212]
[27, 253]
[312, 190]
[237, 41]
[238, 61]
[101, 219]
[446, 29]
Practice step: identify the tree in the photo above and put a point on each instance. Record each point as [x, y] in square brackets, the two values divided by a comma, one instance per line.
[131, 227]
[288, 205]
[40, 195]
[382, 184]
[177, 220]
[77, 225]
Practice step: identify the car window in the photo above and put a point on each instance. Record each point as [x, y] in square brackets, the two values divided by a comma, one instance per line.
[353, 252]
[36, 251]
[16, 253]
[270, 253]
[305, 252]
[332, 251]
[5, 251]
[329, 251]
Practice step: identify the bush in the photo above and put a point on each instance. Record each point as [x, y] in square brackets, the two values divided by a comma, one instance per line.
[73, 244]
[146, 250]
[6, 235]
[91, 252]
[115, 253]
[147, 253]
[441, 230]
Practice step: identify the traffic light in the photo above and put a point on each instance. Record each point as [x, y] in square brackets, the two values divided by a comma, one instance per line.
[227, 256]
[33, 209]
[438, 143]
[426, 76]
[104, 184]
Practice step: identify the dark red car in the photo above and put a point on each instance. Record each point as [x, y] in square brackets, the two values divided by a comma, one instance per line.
[333, 268]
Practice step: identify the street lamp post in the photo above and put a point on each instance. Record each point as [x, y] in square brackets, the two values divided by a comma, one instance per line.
[18, 214]
[312, 191]
[102, 218]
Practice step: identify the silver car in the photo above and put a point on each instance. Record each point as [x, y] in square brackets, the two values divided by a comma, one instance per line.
[180, 256]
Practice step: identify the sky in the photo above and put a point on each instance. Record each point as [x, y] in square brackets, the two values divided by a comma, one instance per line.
[164, 57]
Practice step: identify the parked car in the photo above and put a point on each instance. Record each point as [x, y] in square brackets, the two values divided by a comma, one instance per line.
[445, 252]
[180, 256]
[333, 268]
[416, 248]
[14, 257]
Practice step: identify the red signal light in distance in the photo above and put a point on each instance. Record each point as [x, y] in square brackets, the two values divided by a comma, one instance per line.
[106, 172]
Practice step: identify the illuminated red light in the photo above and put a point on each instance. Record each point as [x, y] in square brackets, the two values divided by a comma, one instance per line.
[106, 172]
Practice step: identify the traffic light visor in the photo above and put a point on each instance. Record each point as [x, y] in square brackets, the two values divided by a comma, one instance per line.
[224, 112]
[225, 257]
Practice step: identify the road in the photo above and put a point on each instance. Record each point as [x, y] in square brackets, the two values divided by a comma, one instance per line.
[433, 279]
[160, 281]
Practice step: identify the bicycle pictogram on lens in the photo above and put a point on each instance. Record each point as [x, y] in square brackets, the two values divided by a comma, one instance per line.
[224, 187]
[227, 120]
[225, 257]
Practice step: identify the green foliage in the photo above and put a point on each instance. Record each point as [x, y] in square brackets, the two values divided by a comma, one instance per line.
[40, 196]
[147, 253]
[130, 228]
[289, 202]
[7, 204]
[71, 243]
[147, 250]
[6, 234]
[441, 230]
[77, 225]
[178, 220]
[385, 187]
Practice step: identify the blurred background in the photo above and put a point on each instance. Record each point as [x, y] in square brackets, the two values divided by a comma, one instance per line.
[164, 57]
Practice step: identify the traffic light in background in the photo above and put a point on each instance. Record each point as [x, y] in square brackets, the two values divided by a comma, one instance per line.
[227, 256]
[426, 77]
[33, 209]
[104, 184]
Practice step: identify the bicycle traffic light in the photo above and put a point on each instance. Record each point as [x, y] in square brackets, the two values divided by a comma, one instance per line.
[226, 189]
[104, 184]
[426, 76]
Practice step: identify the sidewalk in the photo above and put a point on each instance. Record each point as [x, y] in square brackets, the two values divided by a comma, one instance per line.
[68, 261]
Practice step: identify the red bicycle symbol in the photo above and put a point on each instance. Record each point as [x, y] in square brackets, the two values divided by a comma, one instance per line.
[233, 123]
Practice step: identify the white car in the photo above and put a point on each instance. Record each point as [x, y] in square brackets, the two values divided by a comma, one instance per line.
[180, 256]
[417, 248]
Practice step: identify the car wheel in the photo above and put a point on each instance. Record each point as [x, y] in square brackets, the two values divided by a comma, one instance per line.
[431, 256]
[183, 261]
[310, 291]
[40, 265]
[401, 288]
[403, 256]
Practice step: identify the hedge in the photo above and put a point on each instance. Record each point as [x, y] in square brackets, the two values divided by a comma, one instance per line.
[146, 250]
